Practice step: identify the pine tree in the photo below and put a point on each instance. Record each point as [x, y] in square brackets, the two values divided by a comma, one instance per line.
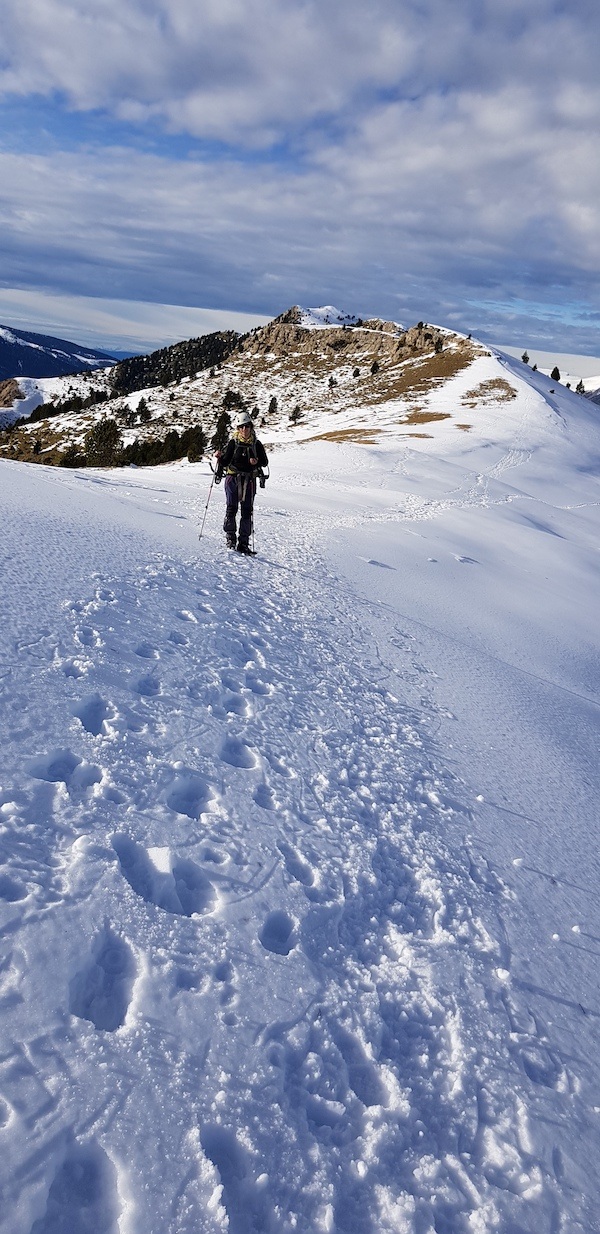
[103, 444]
[580, 388]
[555, 374]
[222, 431]
[71, 457]
[196, 440]
[525, 358]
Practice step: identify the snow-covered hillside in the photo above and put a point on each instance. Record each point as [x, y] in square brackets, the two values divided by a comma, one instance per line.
[299, 855]
[25, 353]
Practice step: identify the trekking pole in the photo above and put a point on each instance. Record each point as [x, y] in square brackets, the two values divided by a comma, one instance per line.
[206, 506]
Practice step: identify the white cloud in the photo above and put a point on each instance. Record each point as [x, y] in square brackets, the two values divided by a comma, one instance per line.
[237, 72]
[431, 151]
[256, 71]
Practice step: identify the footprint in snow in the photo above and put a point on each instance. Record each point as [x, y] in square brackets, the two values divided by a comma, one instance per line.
[84, 1195]
[362, 1072]
[148, 686]
[180, 640]
[176, 885]
[237, 705]
[280, 767]
[101, 992]
[64, 767]
[278, 933]
[265, 797]
[466, 561]
[86, 636]
[92, 712]
[224, 975]
[257, 685]
[231, 682]
[185, 615]
[371, 561]
[71, 668]
[211, 854]
[238, 754]
[246, 1203]
[189, 794]
[11, 890]
[295, 864]
[542, 1067]
[146, 651]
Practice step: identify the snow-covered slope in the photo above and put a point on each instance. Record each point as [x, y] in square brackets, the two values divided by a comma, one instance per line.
[23, 353]
[298, 856]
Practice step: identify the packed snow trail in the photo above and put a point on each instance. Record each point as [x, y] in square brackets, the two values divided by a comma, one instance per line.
[256, 975]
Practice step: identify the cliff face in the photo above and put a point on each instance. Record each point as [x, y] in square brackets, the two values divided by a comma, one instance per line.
[9, 391]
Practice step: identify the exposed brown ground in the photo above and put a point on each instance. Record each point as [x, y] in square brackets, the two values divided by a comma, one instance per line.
[362, 436]
[425, 417]
[495, 390]
[9, 391]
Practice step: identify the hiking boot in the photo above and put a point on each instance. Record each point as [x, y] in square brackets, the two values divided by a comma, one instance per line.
[230, 541]
[244, 547]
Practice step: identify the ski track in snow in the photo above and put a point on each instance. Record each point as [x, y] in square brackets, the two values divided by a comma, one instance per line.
[219, 838]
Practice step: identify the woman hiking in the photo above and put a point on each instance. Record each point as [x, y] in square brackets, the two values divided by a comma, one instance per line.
[242, 461]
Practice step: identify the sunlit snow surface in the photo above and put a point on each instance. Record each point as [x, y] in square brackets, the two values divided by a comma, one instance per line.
[299, 855]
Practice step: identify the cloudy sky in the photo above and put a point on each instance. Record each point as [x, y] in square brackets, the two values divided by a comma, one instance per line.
[434, 159]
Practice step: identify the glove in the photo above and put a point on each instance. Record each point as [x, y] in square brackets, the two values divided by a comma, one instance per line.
[262, 481]
[218, 475]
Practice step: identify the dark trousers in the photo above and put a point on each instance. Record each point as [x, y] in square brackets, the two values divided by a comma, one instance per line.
[239, 493]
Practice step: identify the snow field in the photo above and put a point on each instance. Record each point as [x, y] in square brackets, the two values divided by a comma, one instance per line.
[258, 974]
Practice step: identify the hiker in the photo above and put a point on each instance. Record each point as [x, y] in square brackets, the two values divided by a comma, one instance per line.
[241, 462]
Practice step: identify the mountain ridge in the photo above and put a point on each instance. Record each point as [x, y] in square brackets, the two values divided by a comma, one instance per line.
[307, 374]
[24, 353]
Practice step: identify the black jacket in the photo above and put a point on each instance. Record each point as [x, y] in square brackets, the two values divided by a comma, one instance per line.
[237, 455]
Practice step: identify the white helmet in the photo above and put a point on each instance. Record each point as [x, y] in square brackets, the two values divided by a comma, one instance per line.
[243, 419]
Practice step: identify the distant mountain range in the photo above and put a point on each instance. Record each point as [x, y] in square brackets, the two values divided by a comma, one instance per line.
[24, 354]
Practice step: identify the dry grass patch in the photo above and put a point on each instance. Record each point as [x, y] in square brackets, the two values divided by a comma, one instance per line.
[360, 436]
[422, 416]
[412, 379]
[495, 390]
[465, 427]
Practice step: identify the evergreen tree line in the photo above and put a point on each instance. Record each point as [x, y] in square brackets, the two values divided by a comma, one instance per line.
[172, 363]
[103, 447]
